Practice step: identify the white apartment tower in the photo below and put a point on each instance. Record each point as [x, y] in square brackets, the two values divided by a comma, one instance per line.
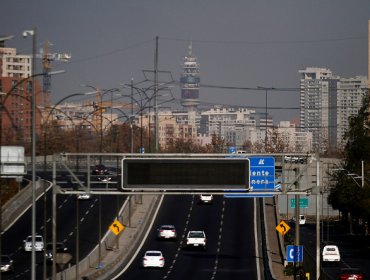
[327, 103]
[314, 104]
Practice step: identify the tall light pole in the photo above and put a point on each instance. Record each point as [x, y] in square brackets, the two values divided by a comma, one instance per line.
[33, 155]
[156, 123]
[100, 107]
[132, 113]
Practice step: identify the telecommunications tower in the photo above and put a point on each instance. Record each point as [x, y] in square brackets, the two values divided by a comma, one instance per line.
[189, 82]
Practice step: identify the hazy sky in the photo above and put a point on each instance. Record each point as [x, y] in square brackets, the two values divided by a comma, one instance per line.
[238, 43]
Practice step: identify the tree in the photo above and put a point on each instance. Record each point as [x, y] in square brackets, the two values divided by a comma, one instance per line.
[347, 195]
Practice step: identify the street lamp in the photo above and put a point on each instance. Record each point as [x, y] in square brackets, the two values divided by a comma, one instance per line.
[54, 108]
[33, 155]
[100, 107]
[156, 88]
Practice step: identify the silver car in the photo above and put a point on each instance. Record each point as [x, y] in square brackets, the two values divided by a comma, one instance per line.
[167, 232]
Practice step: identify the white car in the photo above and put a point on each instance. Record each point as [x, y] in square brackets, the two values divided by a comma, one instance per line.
[167, 232]
[206, 198]
[39, 243]
[84, 196]
[196, 238]
[330, 253]
[302, 219]
[153, 259]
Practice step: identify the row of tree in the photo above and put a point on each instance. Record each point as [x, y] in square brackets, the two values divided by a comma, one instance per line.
[348, 195]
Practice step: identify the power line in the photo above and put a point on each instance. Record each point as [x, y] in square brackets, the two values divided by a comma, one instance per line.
[237, 42]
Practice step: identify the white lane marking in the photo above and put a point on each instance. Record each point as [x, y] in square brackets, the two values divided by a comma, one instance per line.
[218, 250]
[182, 239]
[142, 241]
[256, 238]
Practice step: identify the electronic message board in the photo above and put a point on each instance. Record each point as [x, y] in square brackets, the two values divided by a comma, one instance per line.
[185, 173]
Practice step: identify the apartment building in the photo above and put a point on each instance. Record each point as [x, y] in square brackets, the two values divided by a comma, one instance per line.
[326, 103]
[16, 95]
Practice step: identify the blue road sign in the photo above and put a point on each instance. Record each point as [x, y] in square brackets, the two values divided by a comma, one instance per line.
[294, 253]
[232, 150]
[261, 178]
[262, 173]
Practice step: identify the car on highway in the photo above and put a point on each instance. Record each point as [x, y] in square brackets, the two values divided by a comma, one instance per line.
[302, 219]
[167, 232]
[196, 238]
[6, 264]
[206, 198]
[100, 169]
[294, 159]
[84, 196]
[60, 248]
[153, 258]
[351, 274]
[330, 253]
[39, 243]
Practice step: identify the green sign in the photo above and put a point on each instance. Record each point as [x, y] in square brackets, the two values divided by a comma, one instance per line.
[303, 202]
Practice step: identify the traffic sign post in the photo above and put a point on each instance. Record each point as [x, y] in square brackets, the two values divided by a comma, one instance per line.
[303, 202]
[116, 227]
[282, 227]
[262, 173]
[294, 253]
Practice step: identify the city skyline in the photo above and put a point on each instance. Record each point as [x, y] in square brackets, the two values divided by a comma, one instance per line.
[239, 44]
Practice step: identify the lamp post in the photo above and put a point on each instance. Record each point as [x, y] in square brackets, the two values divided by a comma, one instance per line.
[33, 155]
[100, 107]
[142, 91]
[54, 108]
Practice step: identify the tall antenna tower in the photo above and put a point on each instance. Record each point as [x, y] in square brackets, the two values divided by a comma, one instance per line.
[189, 81]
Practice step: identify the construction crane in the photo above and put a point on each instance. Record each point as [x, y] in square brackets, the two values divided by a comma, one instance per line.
[47, 58]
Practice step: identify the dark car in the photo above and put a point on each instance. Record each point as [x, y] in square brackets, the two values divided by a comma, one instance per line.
[6, 264]
[351, 273]
[100, 169]
[60, 248]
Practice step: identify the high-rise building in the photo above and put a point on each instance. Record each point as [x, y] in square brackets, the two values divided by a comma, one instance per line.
[351, 92]
[326, 104]
[16, 96]
[13, 64]
[314, 104]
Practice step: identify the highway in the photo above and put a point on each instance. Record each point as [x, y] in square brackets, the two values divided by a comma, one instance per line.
[66, 229]
[354, 249]
[230, 252]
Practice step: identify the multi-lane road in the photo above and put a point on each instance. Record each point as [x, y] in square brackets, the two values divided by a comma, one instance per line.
[230, 229]
[105, 207]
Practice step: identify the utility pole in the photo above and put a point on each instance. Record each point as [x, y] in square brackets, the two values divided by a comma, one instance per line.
[156, 92]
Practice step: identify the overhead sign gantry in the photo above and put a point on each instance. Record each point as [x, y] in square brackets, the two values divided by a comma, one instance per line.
[176, 173]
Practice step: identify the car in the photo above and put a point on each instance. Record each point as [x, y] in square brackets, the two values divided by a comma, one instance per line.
[6, 264]
[351, 274]
[167, 232]
[330, 253]
[84, 196]
[302, 219]
[153, 258]
[59, 246]
[294, 159]
[196, 238]
[100, 169]
[206, 198]
[39, 243]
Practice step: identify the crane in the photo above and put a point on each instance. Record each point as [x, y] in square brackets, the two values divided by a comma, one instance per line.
[47, 58]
